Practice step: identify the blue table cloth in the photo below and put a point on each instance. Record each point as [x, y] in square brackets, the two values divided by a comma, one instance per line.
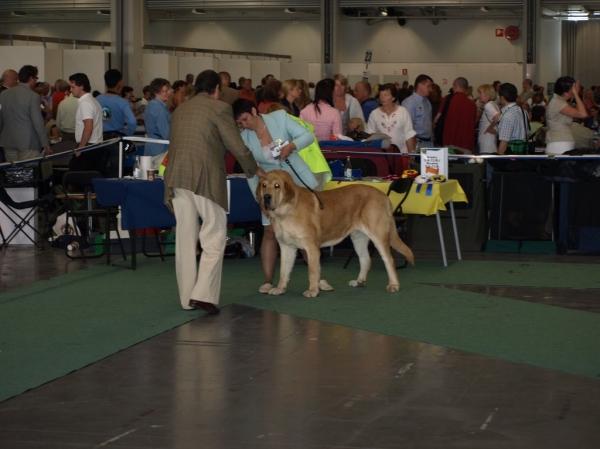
[142, 204]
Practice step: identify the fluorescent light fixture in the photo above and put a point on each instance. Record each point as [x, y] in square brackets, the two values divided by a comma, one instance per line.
[198, 11]
[290, 10]
[577, 16]
[484, 9]
[383, 12]
[18, 14]
[103, 12]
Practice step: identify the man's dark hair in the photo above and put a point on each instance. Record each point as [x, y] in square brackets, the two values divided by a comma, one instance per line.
[126, 90]
[240, 106]
[146, 89]
[509, 92]
[422, 79]
[496, 83]
[207, 82]
[81, 79]
[189, 78]
[272, 91]
[112, 78]
[26, 72]
[157, 84]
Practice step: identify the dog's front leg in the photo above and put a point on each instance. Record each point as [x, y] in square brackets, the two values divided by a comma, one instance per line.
[288, 257]
[313, 256]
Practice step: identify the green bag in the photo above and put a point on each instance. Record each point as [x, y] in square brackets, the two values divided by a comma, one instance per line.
[518, 147]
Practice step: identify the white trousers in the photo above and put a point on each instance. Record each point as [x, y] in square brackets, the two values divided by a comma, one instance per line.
[202, 283]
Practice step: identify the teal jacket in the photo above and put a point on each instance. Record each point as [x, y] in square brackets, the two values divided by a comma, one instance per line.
[282, 127]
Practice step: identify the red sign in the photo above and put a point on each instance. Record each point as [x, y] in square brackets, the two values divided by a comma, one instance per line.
[499, 32]
[405, 71]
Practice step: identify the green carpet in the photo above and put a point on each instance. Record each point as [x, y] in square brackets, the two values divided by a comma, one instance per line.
[53, 327]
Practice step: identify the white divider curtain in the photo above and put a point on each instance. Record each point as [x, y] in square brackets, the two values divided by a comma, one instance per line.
[580, 51]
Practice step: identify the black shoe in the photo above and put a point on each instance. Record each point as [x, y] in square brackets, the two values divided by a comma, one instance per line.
[209, 307]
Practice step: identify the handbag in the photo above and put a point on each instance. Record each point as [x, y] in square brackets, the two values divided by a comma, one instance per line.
[521, 147]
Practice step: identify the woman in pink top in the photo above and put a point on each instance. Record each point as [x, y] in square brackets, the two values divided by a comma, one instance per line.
[321, 114]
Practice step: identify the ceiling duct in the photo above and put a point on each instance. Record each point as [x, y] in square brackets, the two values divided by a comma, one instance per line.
[433, 12]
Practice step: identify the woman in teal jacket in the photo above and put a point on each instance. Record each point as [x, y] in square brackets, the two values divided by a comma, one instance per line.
[261, 134]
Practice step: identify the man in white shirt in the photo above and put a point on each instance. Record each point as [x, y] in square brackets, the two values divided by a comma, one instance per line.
[88, 126]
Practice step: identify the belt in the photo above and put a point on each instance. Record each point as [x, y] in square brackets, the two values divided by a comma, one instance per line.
[423, 138]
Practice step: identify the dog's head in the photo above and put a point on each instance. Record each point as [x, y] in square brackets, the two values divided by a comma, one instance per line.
[276, 192]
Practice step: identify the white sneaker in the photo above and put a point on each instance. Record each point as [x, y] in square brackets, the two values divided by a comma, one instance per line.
[324, 286]
[265, 288]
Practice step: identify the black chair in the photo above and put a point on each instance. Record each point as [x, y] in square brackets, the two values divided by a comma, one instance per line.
[82, 209]
[23, 221]
[402, 187]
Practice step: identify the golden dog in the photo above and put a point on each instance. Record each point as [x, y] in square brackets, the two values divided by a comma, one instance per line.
[360, 211]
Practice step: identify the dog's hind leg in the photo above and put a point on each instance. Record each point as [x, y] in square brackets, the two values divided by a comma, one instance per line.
[361, 246]
[382, 243]
[288, 257]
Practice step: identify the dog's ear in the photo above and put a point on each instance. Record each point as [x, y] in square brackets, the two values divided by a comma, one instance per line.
[289, 187]
[258, 192]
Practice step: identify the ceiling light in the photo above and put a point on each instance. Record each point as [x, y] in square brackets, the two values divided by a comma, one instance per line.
[383, 12]
[103, 12]
[484, 9]
[198, 11]
[290, 10]
[18, 14]
[577, 16]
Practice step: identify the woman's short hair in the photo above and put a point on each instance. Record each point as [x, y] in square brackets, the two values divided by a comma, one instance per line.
[272, 90]
[288, 85]
[125, 90]
[62, 85]
[391, 87]
[487, 90]
[563, 85]
[341, 78]
[240, 106]
[157, 85]
[179, 83]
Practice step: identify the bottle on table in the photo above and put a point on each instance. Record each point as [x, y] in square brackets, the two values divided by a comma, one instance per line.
[348, 168]
[136, 168]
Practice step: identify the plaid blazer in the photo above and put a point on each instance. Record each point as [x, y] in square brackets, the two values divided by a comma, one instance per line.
[201, 130]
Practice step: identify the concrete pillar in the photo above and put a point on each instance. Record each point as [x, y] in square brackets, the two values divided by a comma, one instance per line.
[330, 18]
[128, 22]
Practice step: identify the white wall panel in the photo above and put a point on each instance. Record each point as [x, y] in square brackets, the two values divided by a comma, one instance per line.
[94, 63]
[16, 57]
[196, 65]
[297, 70]
[260, 69]
[160, 65]
[236, 68]
[53, 65]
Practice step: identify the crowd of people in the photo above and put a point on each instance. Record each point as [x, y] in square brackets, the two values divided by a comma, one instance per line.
[204, 116]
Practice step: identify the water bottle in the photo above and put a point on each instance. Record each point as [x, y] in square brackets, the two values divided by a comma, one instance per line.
[348, 168]
[136, 168]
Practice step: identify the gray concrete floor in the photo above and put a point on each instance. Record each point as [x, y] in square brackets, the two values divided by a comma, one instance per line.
[249, 378]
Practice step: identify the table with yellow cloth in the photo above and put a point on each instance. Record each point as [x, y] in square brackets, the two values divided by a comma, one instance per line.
[423, 199]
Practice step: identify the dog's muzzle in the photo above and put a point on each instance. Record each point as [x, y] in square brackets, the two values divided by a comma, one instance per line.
[267, 200]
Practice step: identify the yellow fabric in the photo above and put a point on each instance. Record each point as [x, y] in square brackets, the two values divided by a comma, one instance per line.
[312, 154]
[416, 203]
[162, 167]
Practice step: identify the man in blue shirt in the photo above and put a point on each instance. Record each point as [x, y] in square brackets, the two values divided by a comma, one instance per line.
[117, 117]
[419, 108]
[362, 92]
[158, 120]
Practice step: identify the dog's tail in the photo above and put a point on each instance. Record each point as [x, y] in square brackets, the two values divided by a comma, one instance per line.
[397, 243]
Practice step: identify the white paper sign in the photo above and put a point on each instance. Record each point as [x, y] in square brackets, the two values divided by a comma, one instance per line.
[435, 161]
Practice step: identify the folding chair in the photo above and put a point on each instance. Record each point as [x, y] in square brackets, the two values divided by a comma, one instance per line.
[22, 222]
[402, 187]
[80, 207]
